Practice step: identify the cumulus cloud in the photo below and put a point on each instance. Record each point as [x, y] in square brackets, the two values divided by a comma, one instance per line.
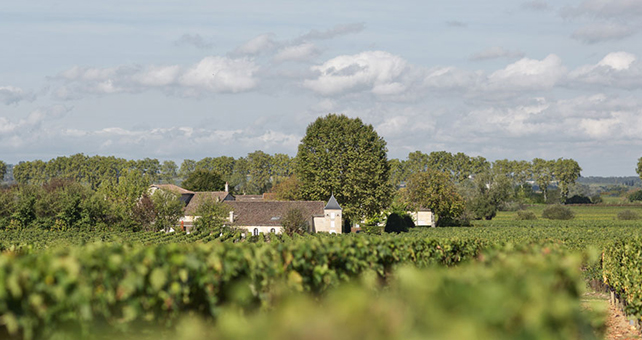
[617, 69]
[195, 40]
[495, 53]
[529, 74]
[13, 95]
[213, 74]
[600, 32]
[15, 133]
[378, 72]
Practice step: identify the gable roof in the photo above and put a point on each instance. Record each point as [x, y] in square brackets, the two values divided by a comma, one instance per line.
[173, 188]
[333, 204]
[271, 213]
[202, 196]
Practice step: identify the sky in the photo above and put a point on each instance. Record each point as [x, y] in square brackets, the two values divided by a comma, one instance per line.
[175, 79]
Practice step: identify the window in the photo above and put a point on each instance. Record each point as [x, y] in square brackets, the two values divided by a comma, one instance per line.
[255, 232]
[332, 216]
[272, 231]
[332, 224]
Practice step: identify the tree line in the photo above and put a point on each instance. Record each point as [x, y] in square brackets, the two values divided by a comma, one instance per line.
[338, 156]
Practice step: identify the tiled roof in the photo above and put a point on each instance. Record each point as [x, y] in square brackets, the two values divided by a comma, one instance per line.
[202, 196]
[173, 188]
[271, 213]
[248, 198]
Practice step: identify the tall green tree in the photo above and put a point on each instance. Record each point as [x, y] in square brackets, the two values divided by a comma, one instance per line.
[3, 170]
[543, 174]
[346, 157]
[168, 171]
[259, 180]
[436, 191]
[203, 180]
[566, 172]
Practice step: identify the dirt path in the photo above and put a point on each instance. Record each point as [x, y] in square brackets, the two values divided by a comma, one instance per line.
[617, 324]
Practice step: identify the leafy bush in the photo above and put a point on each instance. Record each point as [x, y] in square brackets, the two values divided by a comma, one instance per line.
[524, 215]
[628, 215]
[578, 199]
[408, 220]
[636, 196]
[558, 212]
[597, 199]
[295, 223]
[396, 224]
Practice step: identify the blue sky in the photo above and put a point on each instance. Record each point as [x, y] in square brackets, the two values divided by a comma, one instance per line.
[175, 80]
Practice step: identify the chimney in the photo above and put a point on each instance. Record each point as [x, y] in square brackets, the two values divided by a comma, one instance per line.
[231, 217]
[227, 187]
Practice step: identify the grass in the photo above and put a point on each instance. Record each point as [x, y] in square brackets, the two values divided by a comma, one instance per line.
[582, 213]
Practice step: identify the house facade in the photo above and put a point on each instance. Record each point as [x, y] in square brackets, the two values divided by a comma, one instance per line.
[257, 213]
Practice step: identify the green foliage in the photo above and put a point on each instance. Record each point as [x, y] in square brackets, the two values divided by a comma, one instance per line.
[294, 222]
[635, 196]
[577, 199]
[203, 180]
[622, 272]
[558, 212]
[3, 170]
[525, 215]
[436, 191]
[169, 172]
[489, 191]
[168, 210]
[288, 189]
[346, 157]
[628, 215]
[396, 224]
[212, 217]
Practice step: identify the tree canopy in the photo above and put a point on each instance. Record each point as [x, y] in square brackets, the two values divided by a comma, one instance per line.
[203, 180]
[436, 191]
[346, 157]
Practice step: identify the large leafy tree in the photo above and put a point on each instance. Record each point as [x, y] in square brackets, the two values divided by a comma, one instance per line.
[346, 157]
[566, 172]
[3, 170]
[543, 174]
[436, 191]
[203, 180]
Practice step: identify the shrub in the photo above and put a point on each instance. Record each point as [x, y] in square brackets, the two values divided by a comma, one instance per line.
[558, 212]
[636, 196]
[395, 224]
[409, 222]
[524, 215]
[628, 215]
[596, 199]
[294, 222]
[578, 199]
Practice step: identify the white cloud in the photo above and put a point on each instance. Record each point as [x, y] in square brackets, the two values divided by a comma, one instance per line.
[529, 74]
[13, 95]
[378, 72]
[212, 74]
[617, 70]
[600, 32]
[496, 52]
[302, 52]
[29, 126]
[220, 74]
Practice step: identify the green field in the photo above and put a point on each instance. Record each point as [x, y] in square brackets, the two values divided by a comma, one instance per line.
[582, 212]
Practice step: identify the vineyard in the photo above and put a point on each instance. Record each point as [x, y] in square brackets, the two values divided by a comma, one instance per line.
[491, 282]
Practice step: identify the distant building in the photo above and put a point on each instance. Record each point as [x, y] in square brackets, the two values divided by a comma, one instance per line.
[257, 213]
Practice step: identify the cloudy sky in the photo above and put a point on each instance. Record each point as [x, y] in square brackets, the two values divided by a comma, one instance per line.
[174, 80]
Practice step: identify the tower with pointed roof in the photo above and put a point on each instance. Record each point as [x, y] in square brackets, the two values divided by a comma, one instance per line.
[333, 219]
